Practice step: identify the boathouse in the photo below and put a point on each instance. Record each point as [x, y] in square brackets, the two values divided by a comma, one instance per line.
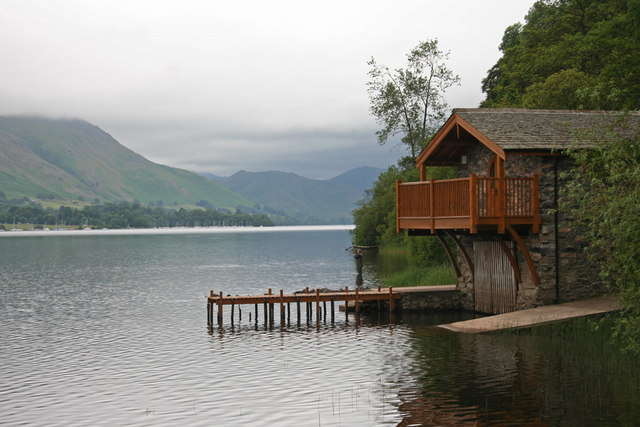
[515, 248]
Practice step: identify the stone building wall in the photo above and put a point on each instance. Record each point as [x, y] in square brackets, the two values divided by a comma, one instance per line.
[565, 274]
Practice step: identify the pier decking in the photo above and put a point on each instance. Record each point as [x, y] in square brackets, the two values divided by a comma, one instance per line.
[269, 300]
[537, 316]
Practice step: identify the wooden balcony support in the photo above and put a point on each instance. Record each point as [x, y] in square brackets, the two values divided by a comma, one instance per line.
[512, 258]
[525, 252]
[462, 249]
[450, 254]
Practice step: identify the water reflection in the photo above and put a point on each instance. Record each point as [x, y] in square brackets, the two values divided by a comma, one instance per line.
[111, 331]
[516, 378]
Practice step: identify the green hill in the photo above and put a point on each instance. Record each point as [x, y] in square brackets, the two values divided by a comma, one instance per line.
[314, 201]
[69, 160]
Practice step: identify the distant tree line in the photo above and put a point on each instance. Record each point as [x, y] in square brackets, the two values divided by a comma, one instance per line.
[122, 215]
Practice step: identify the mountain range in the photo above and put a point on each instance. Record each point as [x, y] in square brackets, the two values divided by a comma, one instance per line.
[72, 162]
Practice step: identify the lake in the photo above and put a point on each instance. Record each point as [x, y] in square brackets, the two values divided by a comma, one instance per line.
[110, 329]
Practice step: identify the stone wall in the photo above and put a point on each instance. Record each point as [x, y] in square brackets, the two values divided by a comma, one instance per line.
[565, 274]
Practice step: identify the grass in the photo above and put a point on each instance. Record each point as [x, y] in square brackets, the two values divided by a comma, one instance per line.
[422, 276]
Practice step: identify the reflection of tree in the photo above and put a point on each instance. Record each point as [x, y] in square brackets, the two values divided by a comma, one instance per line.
[551, 376]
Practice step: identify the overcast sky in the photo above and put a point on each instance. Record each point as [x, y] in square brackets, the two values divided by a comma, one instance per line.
[218, 87]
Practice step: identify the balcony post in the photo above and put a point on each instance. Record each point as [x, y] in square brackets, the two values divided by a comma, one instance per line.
[431, 208]
[398, 182]
[472, 204]
[502, 195]
[535, 205]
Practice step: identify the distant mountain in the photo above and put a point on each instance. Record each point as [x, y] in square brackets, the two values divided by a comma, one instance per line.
[361, 178]
[211, 176]
[314, 201]
[68, 160]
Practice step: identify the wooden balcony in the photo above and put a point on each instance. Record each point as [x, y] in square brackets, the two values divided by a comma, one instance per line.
[468, 204]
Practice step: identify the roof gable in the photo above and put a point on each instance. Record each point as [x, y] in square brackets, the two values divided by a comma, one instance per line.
[506, 129]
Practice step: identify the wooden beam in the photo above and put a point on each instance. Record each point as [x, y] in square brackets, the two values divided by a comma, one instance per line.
[460, 246]
[455, 122]
[452, 258]
[512, 258]
[398, 182]
[525, 252]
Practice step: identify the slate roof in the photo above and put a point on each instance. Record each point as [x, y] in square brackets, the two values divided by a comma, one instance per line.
[523, 129]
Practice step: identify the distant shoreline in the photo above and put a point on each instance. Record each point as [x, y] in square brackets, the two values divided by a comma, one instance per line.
[173, 230]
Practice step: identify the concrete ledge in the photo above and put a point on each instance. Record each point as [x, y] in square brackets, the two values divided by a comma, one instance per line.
[438, 298]
[427, 289]
[537, 316]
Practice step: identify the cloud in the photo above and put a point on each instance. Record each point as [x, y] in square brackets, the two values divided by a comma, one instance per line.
[222, 86]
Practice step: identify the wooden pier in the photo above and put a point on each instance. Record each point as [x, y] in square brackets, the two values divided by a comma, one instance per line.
[308, 298]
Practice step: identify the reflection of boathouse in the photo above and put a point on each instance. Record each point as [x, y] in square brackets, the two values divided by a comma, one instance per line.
[516, 250]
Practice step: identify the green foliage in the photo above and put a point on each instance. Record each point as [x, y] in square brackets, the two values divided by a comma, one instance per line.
[439, 274]
[409, 101]
[123, 215]
[573, 54]
[375, 218]
[605, 196]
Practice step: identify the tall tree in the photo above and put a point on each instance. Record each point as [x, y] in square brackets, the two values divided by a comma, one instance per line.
[410, 101]
[570, 54]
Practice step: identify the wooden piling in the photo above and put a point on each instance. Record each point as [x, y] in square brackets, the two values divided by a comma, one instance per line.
[357, 302]
[281, 306]
[266, 312]
[233, 306]
[332, 310]
[318, 315]
[220, 309]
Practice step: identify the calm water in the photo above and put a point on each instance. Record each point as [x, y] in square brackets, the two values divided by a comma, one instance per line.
[111, 330]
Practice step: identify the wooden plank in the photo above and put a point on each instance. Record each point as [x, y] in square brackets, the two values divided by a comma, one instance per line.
[525, 252]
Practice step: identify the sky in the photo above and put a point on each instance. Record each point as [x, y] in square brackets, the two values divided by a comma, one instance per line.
[223, 86]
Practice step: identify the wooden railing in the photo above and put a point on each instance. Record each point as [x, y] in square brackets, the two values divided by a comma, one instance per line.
[467, 203]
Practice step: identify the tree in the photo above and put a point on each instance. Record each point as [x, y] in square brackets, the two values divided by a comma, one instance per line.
[604, 194]
[410, 101]
[570, 54]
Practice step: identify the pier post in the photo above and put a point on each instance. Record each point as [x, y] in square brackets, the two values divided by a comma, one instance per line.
[266, 311]
[220, 309]
[210, 309]
[281, 306]
[332, 310]
[346, 305]
[270, 309]
[308, 304]
[318, 314]
[357, 303]
[233, 306]
[298, 308]
[390, 298]
[256, 307]
[379, 301]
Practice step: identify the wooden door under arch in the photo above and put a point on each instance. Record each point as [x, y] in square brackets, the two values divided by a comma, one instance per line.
[494, 285]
